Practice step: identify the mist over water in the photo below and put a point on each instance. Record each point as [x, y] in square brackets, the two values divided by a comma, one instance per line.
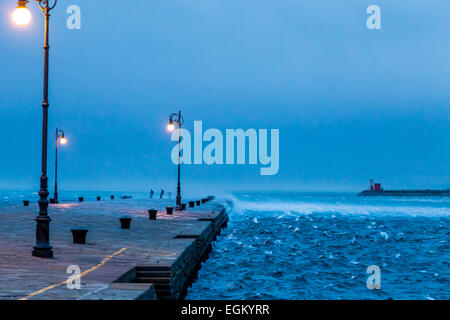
[296, 203]
[319, 245]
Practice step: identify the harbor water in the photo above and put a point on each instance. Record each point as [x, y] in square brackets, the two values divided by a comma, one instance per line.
[319, 246]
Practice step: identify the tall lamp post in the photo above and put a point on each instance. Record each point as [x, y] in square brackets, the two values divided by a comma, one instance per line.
[179, 120]
[22, 17]
[59, 137]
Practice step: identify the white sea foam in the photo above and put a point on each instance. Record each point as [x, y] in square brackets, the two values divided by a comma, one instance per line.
[294, 208]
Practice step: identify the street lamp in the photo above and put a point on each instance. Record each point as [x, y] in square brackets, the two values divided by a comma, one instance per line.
[179, 120]
[22, 17]
[59, 136]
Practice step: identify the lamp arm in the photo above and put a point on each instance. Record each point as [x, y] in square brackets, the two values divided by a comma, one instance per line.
[45, 5]
[174, 117]
[58, 134]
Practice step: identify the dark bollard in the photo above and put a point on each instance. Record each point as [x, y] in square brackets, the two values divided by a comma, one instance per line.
[183, 206]
[152, 214]
[112, 197]
[79, 235]
[80, 199]
[125, 222]
[191, 204]
[203, 200]
[26, 203]
[99, 198]
[169, 210]
[52, 201]
[197, 202]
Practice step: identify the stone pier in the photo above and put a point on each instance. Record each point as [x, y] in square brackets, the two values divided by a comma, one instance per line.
[154, 259]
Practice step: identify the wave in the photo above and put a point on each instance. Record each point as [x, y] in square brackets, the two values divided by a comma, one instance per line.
[290, 207]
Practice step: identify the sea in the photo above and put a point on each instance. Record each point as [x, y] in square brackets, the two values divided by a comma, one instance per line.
[294, 245]
[290, 245]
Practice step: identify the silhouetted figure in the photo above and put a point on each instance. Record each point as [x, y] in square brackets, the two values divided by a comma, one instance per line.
[151, 193]
[162, 193]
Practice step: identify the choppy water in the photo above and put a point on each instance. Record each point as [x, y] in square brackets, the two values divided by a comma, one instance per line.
[318, 246]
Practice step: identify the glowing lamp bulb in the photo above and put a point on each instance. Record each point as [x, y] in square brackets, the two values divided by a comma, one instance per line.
[22, 16]
[63, 140]
[170, 127]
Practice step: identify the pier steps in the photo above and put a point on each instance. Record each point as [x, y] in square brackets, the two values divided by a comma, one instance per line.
[172, 280]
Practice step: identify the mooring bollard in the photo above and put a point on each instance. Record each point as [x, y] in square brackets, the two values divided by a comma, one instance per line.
[183, 206]
[80, 199]
[203, 200]
[197, 202]
[125, 222]
[191, 204]
[79, 235]
[26, 203]
[112, 197]
[152, 214]
[99, 198]
[169, 210]
[52, 201]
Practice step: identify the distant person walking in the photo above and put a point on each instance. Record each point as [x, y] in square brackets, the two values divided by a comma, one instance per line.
[162, 193]
[151, 193]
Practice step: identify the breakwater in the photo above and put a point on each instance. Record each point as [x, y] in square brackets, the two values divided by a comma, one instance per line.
[406, 193]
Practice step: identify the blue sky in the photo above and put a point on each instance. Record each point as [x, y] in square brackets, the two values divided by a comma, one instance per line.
[350, 103]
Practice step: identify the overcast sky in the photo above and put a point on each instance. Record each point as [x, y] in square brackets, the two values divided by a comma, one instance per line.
[350, 103]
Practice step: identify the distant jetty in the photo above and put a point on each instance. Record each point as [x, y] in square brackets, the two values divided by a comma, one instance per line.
[406, 193]
[377, 190]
